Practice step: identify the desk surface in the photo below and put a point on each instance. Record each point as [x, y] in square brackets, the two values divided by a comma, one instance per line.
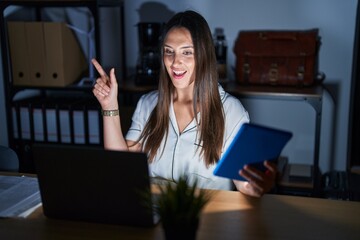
[229, 215]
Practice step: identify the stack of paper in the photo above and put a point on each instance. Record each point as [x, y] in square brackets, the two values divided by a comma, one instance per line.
[19, 196]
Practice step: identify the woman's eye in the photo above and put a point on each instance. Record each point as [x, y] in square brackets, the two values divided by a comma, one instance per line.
[188, 53]
[168, 52]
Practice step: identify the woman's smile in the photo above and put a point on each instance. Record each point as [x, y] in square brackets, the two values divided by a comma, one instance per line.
[178, 74]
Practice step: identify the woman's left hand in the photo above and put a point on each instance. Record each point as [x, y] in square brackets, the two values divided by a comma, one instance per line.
[258, 182]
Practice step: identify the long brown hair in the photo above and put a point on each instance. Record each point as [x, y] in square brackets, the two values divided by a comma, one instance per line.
[206, 94]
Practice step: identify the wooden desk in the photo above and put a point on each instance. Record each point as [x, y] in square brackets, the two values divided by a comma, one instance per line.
[229, 215]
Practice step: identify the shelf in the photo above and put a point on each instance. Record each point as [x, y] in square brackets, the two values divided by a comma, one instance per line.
[46, 109]
[311, 95]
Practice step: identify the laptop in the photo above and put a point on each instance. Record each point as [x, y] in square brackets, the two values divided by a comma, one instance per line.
[252, 145]
[91, 184]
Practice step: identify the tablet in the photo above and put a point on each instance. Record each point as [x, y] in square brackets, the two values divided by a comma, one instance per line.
[252, 145]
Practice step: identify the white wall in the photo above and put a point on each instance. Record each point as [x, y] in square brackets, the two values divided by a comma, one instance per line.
[336, 21]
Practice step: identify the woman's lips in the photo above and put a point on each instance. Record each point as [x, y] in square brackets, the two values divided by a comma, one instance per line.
[179, 74]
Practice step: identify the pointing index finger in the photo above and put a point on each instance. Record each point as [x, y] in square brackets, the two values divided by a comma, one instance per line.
[99, 68]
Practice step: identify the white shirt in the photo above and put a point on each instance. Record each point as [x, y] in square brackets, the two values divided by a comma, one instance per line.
[181, 155]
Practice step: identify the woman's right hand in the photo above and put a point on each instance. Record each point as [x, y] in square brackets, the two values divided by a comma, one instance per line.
[106, 89]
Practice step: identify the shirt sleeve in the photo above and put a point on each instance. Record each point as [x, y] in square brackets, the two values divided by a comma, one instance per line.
[142, 112]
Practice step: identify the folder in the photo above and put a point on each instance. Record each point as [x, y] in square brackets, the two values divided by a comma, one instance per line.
[94, 126]
[45, 54]
[79, 126]
[65, 61]
[25, 122]
[38, 124]
[51, 124]
[35, 105]
[15, 123]
[86, 121]
[79, 130]
[71, 120]
[58, 119]
[64, 121]
[19, 53]
[36, 57]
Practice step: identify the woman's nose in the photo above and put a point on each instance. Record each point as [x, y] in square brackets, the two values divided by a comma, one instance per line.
[176, 60]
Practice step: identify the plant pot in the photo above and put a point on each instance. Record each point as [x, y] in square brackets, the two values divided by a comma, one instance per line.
[181, 231]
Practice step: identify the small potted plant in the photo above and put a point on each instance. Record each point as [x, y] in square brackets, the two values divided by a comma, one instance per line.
[179, 207]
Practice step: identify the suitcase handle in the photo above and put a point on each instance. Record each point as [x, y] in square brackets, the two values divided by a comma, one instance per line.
[277, 36]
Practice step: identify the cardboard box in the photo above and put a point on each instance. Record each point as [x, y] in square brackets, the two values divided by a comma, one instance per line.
[45, 54]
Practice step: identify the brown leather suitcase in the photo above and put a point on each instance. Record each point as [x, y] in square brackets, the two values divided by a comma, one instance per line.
[277, 57]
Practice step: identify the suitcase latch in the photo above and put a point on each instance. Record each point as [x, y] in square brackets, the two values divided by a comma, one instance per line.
[246, 71]
[273, 73]
[300, 73]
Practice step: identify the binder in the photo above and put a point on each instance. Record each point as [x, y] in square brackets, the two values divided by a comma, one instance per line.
[94, 126]
[78, 116]
[86, 121]
[25, 122]
[36, 57]
[45, 54]
[19, 53]
[58, 119]
[65, 61]
[51, 125]
[14, 123]
[38, 125]
[64, 121]
[79, 130]
[38, 120]
[21, 115]
[94, 122]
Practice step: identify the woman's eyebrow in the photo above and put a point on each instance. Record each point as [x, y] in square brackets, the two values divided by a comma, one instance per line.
[187, 46]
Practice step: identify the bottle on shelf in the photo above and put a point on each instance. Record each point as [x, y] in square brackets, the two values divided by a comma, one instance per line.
[221, 53]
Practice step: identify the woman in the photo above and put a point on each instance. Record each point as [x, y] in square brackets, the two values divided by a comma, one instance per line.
[186, 124]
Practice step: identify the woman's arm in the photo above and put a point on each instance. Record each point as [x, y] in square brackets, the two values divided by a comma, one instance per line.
[106, 92]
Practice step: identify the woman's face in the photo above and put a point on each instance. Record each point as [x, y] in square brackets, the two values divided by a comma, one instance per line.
[179, 57]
